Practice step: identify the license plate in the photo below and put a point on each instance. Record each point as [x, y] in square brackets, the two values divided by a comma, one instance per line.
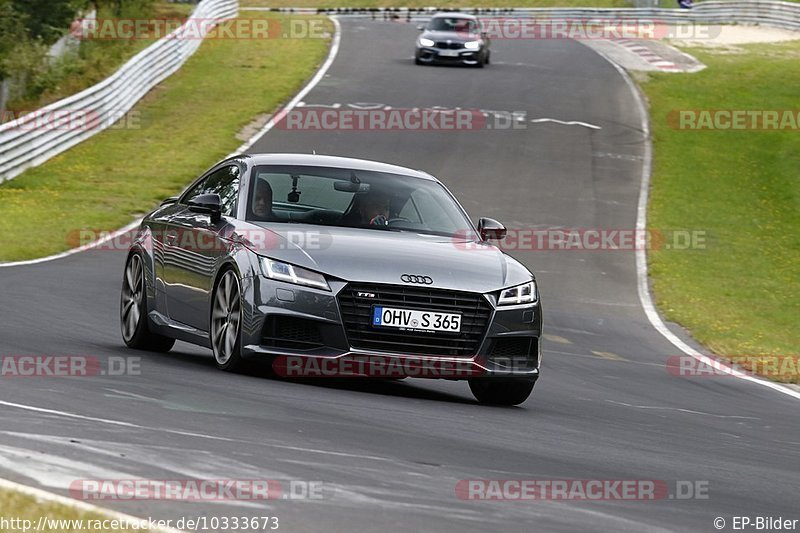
[413, 320]
[448, 53]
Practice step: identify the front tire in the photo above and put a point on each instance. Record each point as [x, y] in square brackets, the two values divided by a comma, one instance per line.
[501, 392]
[226, 320]
[133, 311]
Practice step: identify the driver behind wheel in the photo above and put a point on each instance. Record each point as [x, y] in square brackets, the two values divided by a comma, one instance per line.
[374, 208]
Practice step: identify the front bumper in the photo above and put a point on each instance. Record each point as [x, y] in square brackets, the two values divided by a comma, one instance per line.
[430, 55]
[305, 332]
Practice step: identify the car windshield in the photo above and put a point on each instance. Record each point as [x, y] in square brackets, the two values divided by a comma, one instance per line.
[354, 198]
[455, 24]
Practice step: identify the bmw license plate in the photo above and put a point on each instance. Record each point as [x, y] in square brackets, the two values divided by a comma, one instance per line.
[448, 53]
[413, 320]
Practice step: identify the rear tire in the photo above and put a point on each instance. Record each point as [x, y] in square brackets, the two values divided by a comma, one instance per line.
[501, 392]
[133, 310]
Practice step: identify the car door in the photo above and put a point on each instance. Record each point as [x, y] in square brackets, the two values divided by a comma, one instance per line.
[158, 223]
[194, 247]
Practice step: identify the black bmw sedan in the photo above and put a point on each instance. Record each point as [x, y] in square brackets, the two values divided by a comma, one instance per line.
[330, 266]
[452, 38]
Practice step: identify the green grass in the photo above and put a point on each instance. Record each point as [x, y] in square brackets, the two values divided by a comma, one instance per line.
[740, 295]
[440, 4]
[187, 123]
[15, 505]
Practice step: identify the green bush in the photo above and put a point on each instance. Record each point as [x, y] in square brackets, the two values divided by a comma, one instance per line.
[26, 34]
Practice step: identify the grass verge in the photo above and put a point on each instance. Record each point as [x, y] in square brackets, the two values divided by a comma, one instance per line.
[740, 296]
[186, 123]
[25, 511]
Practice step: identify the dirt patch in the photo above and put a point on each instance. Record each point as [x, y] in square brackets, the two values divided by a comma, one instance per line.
[726, 37]
[253, 127]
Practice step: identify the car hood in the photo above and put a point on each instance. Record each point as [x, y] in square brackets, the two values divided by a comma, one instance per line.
[455, 36]
[377, 256]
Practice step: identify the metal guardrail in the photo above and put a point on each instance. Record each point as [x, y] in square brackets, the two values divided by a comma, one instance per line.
[768, 12]
[34, 138]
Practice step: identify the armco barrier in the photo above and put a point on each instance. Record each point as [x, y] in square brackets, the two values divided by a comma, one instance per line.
[23, 145]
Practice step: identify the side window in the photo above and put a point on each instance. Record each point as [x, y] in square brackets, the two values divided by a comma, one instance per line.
[410, 210]
[225, 183]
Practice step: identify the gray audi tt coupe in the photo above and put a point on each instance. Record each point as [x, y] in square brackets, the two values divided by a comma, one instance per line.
[330, 266]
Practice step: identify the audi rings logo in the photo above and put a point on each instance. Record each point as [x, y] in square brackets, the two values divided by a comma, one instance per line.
[411, 278]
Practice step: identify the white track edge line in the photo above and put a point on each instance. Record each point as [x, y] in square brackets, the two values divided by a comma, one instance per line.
[77, 504]
[641, 256]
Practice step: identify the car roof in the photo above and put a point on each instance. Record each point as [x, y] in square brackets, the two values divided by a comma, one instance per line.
[455, 16]
[316, 160]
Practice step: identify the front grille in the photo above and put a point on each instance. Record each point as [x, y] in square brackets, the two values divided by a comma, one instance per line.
[357, 313]
[444, 45]
[291, 332]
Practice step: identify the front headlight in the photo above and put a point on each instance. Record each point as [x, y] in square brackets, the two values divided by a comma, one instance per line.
[521, 294]
[472, 45]
[425, 42]
[293, 274]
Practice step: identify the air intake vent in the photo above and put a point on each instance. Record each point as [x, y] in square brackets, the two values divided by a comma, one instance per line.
[292, 333]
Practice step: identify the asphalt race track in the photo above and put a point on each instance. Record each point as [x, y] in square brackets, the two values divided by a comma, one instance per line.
[390, 454]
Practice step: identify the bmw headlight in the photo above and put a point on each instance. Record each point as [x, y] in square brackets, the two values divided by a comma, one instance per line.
[425, 42]
[472, 45]
[293, 274]
[521, 294]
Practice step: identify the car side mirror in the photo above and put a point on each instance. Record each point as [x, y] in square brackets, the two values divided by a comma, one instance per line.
[421, 27]
[207, 204]
[490, 229]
